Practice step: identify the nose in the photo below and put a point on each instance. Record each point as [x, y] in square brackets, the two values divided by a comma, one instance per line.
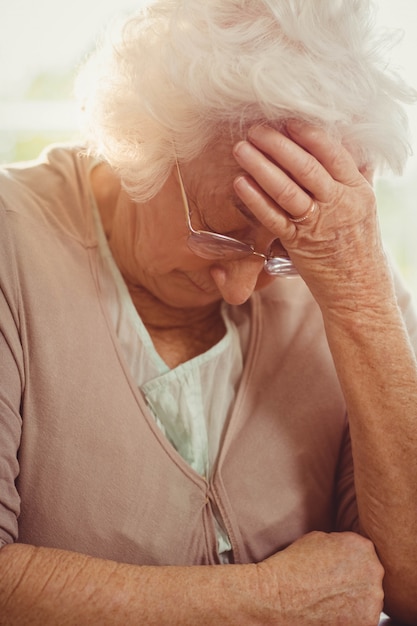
[237, 280]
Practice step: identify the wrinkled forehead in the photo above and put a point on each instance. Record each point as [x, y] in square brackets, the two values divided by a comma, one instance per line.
[213, 169]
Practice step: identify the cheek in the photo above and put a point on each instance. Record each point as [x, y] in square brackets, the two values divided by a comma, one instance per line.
[159, 246]
[162, 256]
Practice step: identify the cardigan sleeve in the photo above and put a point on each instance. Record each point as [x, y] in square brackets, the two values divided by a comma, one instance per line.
[11, 386]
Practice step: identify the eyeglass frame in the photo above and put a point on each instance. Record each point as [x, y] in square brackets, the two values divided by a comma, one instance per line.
[273, 265]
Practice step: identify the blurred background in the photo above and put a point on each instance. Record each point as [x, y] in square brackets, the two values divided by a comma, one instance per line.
[43, 42]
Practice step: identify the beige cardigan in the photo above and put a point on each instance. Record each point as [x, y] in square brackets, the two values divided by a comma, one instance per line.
[84, 467]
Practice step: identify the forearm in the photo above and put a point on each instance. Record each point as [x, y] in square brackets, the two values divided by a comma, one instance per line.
[48, 587]
[377, 370]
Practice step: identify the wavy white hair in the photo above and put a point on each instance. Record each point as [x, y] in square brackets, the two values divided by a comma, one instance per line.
[185, 73]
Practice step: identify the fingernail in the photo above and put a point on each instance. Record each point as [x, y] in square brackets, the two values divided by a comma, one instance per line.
[242, 148]
[241, 182]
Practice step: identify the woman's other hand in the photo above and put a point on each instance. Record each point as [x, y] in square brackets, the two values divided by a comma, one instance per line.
[325, 579]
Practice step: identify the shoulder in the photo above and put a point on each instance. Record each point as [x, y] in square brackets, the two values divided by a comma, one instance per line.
[57, 163]
[289, 306]
[293, 300]
[281, 319]
[285, 306]
[51, 191]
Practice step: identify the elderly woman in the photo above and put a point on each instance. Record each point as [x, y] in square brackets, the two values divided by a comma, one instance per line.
[168, 399]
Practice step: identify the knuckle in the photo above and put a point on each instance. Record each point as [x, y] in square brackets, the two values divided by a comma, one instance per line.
[287, 195]
[337, 156]
[355, 539]
[309, 169]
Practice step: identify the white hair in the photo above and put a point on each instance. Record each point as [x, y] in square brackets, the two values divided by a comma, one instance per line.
[184, 73]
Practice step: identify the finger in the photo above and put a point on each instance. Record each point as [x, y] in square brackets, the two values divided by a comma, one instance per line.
[328, 150]
[273, 217]
[299, 165]
[276, 183]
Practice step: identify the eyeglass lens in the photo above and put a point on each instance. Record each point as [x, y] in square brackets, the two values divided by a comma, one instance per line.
[216, 246]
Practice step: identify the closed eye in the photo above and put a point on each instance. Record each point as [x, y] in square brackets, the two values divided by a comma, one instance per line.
[243, 209]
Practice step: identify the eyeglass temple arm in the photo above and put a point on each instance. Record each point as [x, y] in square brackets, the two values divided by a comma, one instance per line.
[184, 196]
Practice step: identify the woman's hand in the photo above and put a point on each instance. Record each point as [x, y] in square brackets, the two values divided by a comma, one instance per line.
[325, 579]
[308, 176]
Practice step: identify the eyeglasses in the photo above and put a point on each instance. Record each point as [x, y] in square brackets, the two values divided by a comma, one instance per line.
[210, 245]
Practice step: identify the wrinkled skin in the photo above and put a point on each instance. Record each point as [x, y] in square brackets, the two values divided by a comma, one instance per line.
[340, 243]
[326, 579]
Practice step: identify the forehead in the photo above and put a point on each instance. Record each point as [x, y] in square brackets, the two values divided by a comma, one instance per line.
[213, 171]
